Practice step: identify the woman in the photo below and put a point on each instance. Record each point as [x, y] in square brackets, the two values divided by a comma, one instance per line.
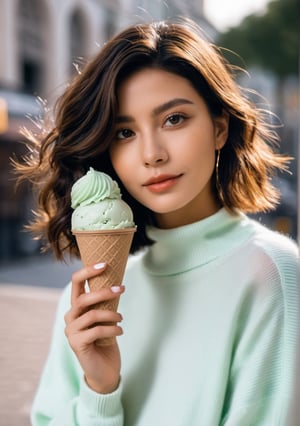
[210, 315]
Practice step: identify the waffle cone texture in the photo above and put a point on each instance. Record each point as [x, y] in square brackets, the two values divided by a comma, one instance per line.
[111, 247]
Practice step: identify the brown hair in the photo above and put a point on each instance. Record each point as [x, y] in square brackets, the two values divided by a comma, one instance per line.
[85, 117]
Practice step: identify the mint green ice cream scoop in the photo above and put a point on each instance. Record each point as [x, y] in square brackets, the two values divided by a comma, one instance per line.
[96, 200]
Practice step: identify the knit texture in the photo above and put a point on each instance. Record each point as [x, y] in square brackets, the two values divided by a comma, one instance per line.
[211, 319]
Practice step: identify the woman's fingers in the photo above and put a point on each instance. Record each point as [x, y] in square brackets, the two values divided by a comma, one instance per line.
[91, 326]
[93, 334]
[86, 324]
[92, 318]
[86, 301]
[79, 278]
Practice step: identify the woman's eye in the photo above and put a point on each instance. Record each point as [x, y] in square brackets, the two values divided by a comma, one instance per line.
[124, 134]
[174, 119]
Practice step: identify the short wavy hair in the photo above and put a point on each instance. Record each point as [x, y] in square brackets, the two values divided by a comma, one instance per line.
[84, 119]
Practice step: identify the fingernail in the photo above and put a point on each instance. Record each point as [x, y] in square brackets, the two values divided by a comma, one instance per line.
[116, 289]
[99, 265]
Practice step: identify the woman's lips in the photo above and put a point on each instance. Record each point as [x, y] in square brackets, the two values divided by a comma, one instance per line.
[161, 183]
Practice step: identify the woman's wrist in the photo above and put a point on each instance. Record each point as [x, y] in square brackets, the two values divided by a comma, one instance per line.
[100, 388]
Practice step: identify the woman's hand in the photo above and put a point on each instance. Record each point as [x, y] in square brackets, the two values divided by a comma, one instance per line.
[85, 325]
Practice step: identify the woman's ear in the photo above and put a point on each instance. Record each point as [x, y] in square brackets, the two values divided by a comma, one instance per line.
[221, 125]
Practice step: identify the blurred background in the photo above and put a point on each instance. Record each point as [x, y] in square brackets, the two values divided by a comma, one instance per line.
[42, 43]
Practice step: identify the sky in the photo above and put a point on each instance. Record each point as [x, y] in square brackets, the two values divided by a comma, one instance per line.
[228, 13]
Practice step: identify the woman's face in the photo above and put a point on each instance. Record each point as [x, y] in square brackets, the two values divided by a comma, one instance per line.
[165, 145]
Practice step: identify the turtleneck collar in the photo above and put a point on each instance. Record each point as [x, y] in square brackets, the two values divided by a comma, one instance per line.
[184, 248]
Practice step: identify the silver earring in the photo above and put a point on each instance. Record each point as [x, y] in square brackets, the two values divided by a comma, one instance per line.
[218, 184]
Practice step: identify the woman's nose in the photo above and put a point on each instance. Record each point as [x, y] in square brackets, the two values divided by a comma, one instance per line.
[154, 153]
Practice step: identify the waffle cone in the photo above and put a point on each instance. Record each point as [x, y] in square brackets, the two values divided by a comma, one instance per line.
[111, 247]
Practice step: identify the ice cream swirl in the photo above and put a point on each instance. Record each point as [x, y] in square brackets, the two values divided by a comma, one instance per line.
[92, 188]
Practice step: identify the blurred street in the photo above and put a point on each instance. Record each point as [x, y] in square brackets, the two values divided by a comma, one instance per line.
[29, 291]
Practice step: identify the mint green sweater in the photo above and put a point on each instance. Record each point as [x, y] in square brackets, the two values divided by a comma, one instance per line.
[211, 319]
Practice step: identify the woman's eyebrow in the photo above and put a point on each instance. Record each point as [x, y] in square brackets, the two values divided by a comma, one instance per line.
[158, 110]
[124, 119]
[170, 104]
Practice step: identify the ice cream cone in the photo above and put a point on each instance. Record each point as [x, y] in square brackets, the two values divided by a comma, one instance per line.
[112, 247]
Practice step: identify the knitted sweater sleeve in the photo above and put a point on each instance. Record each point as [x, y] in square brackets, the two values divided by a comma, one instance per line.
[262, 379]
[63, 398]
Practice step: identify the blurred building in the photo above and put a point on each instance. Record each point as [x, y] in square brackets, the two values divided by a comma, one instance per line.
[41, 41]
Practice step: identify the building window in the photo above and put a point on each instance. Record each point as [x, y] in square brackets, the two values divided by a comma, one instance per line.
[110, 22]
[31, 33]
[77, 41]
